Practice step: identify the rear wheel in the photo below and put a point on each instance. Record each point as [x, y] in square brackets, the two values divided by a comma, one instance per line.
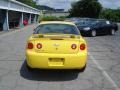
[93, 33]
[29, 68]
[112, 32]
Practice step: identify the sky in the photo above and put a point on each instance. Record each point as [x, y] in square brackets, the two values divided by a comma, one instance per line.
[66, 4]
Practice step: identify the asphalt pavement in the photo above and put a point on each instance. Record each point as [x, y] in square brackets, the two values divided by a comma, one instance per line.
[102, 72]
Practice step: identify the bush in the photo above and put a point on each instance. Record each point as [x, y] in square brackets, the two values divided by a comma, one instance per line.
[111, 14]
[52, 18]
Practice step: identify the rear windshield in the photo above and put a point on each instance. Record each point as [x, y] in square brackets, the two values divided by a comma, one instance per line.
[56, 28]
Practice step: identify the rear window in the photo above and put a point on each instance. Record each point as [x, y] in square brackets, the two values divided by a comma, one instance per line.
[56, 28]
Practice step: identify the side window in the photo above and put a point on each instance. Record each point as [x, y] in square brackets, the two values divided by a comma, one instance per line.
[103, 23]
[78, 24]
[35, 31]
[97, 24]
[100, 24]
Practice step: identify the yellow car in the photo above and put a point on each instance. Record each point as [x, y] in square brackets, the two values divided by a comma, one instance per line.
[56, 45]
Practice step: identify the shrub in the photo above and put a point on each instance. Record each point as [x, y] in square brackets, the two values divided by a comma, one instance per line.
[52, 18]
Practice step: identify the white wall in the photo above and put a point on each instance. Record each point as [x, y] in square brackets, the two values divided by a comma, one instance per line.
[57, 14]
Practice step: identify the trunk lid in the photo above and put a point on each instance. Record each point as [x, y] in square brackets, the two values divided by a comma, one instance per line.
[57, 44]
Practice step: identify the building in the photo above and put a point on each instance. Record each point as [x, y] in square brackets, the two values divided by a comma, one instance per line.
[16, 14]
[57, 13]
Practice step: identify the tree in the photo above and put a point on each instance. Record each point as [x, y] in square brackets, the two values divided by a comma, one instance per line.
[111, 14]
[28, 2]
[86, 8]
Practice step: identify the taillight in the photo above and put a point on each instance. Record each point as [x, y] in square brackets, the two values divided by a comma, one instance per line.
[82, 46]
[30, 46]
[73, 46]
[39, 45]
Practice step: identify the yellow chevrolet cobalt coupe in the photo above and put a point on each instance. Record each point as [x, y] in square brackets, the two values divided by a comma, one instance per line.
[56, 45]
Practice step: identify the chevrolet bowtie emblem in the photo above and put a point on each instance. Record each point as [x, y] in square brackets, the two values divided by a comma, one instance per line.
[56, 45]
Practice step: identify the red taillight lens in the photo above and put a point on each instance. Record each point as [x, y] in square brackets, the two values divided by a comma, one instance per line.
[73, 46]
[82, 46]
[30, 46]
[39, 45]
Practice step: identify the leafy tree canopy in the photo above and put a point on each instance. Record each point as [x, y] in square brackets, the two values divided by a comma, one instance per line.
[86, 8]
[111, 14]
[28, 2]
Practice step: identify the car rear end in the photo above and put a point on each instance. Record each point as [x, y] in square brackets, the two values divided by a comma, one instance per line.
[56, 51]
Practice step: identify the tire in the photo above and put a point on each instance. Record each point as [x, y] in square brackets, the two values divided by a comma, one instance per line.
[93, 33]
[83, 69]
[112, 32]
[29, 68]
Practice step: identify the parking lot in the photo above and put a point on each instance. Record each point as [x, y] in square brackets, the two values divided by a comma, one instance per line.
[102, 72]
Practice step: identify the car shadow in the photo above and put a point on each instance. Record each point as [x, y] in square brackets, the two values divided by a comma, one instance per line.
[48, 75]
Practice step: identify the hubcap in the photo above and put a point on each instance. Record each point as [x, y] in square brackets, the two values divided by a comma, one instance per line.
[93, 33]
[112, 32]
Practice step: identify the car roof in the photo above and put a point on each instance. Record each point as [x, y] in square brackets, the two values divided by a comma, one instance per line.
[57, 22]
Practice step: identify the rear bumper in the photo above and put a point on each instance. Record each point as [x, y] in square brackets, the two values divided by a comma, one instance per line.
[42, 60]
